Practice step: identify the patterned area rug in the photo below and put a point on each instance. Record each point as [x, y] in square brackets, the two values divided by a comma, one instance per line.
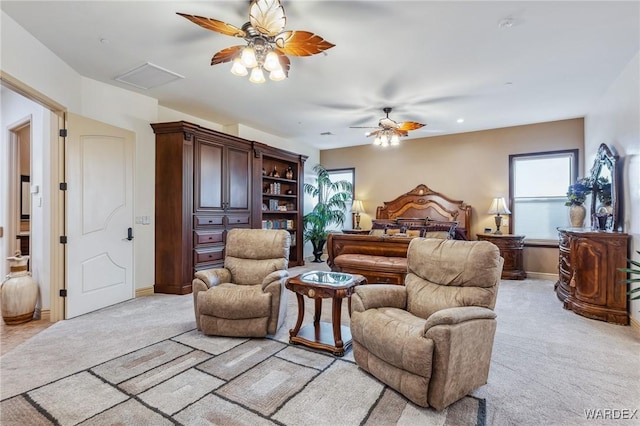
[192, 379]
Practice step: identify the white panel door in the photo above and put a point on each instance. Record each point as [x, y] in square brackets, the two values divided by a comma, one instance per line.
[99, 161]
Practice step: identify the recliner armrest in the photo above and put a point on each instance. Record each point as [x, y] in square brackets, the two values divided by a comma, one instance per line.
[458, 315]
[280, 275]
[214, 276]
[373, 296]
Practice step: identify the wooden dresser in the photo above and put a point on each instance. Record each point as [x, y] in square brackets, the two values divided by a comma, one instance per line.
[589, 281]
[511, 247]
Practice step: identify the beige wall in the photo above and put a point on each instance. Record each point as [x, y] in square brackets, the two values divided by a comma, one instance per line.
[473, 167]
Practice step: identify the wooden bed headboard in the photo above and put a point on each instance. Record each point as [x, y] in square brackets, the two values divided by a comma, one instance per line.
[422, 202]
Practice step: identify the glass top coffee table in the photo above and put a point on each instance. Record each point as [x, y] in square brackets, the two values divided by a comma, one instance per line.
[319, 285]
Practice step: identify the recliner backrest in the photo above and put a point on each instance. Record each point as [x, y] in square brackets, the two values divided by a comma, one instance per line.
[252, 254]
[451, 273]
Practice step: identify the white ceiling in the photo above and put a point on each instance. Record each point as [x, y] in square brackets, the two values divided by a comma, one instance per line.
[433, 62]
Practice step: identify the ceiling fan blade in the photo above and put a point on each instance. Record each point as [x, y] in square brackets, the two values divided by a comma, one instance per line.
[362, 127]
[375, 132]
[226, 55]
[301, 43]
[285, 63]
[214, 25]
[409, 125]
[267, 16]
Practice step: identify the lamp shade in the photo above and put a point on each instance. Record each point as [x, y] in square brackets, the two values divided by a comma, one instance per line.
[357, 207]
[498, 206]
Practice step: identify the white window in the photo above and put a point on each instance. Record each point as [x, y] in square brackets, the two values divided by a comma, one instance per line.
[348, 175]
[538, 192]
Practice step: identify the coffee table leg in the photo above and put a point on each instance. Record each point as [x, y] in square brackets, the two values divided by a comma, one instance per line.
[316, 317]
[337, 332]
[294, 332]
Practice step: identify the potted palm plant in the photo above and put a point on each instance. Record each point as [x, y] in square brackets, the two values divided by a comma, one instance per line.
[631, 280]
[333, 198]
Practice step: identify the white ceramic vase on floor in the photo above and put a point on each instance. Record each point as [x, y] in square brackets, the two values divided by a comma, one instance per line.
[19, 292]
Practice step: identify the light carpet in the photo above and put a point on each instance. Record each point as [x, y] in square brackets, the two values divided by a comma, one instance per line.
[191, 379]
[549, 366]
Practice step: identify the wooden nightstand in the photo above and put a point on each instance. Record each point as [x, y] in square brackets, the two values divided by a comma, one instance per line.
[511, 250]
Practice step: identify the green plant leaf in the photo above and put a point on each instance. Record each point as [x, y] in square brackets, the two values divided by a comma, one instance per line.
[332, 201]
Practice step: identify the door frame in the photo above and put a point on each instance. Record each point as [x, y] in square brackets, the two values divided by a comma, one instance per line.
[57, 251]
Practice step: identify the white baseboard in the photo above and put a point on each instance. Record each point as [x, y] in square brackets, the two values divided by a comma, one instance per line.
[145, 291]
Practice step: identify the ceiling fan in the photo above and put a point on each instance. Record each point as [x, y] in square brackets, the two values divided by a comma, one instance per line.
[267, 42]
[389, 131]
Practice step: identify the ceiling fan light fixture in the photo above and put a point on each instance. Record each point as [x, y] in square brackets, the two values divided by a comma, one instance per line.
[257, 76]
[248, 57]
[268, 44]
[271, 61]
[395, 139]
[238, 68]
[277, 74]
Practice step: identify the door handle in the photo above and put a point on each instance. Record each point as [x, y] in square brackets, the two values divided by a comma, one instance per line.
[129, 234]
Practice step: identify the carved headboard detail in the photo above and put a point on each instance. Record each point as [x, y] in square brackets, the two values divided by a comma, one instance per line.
[423, 202]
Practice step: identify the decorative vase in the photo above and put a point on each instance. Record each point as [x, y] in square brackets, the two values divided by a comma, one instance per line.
[289, 173]
[577, 214]
[19, 292]
[318, 250]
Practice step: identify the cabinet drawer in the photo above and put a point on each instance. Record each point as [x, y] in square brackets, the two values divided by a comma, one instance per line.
[201, 237]
[208, 255]
[202, 266]
[200, 221]
[238, 219]
[377, 277]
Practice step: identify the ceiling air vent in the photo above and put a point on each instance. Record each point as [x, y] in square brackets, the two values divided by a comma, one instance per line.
[147, 76]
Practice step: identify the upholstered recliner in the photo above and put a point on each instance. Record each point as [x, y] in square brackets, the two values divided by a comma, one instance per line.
[432, 338]
[246, 298]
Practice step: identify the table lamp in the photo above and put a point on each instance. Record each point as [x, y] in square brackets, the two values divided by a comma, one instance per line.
[498, 207]
[357, 208]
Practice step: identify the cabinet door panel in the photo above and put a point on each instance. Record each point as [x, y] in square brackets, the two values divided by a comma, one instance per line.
[239, 166]
[209, 188]
[590, 269]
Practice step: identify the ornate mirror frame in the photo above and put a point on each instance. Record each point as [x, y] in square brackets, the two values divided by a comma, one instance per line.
[605, 165]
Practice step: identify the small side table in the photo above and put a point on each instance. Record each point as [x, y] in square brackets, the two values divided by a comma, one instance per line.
[511, 247]
[319, 285]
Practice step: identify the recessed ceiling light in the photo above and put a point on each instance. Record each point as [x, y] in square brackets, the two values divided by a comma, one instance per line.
[460, 120]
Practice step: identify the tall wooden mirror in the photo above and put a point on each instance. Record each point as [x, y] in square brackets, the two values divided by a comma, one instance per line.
[606, 187]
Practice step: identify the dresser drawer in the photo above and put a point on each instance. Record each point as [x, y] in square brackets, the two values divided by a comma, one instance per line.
[201, 237]
[238, 219]
[208, 255]
[203, 221]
